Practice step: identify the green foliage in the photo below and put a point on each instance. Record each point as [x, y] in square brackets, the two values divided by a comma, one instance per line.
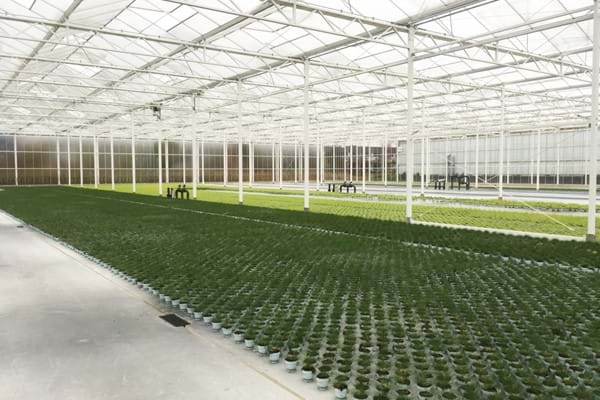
[349, 294]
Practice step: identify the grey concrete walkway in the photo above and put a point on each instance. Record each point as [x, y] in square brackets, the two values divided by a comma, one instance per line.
[71, 330]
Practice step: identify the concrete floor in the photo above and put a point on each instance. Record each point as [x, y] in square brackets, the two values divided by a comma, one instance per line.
[71, 330]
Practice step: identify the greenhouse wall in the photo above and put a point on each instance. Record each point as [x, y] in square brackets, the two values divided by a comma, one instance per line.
[562, 160]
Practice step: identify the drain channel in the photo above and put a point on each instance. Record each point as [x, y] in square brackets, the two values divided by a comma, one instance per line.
[175, 320]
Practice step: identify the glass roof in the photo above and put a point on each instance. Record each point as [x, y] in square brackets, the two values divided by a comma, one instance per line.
[97, 67]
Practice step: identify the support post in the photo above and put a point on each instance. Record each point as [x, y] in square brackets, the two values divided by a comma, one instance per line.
[57, 160]
[280, 159]
[385, 142]
[160, 175]
[202, 158]
[477, 158]
[133, 178]
[225, 164]
[593, 153]
[485, 159]
[538, 161]
[96, 160]
[183, 159]
[167, 161]
[240, 145]
[351, 159]
[446, 160]
[80, 161]
[345, 162]
[369, 162]
[295, 161]
[272, 162]
[501, 150]
[364, 154]
[194, 167]
[69, 159]
[333, 162]
[422, 150]
[557, 157]
[16, 158]
[112, 163]
[250, 162]
[409, 126]
[306, 132]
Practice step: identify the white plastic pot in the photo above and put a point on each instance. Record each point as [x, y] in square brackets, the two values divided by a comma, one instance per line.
[217, 325]
[197, 315]
[207, 319]
[182, 306]
[226, 331]
[322, 383]
[274, 357]
[175, 302]
[291, 366]
[190, 310]
[238, 337]
[307, 376]
[262, 349]
[341, 393]
[249, 343]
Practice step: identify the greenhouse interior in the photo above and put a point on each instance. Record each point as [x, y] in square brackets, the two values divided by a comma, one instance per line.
[299, 199]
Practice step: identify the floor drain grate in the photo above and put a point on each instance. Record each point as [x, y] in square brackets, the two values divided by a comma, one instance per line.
[174, 320]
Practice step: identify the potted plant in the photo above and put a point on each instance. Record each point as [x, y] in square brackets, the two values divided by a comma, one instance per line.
[308, 372]
[227, 328]
[291, 362]
[274, 354]
[249, 340]
[238, 336]
[322, 380]
[216, 324]
[341, 390]
[261, 346]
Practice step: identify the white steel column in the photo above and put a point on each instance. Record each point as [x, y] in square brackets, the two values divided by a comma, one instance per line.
[96, 160]
[557, 157]
[539, 152]
[477, 158]
[351, 160]
[80, 162]
[531, 159]
[167, 161]
[112, 163]
[318, 164]
[507, 145]
[194, 167]
[333, 162]
[369, 162]
[409, 126]
[202, 158]
[183, 159]
[364, 154]
[133, 182]
[593, 153]
[385, 145]
[466, 154]
[69, 159]
[427, 161]
[446, 159]
[250, 161]
[501, 152]
[16, 158]
[345, 162]
[306, 133]
[295, 161]
[422, 132]
[280, 159]
[240, 145]
[485, 159]
[58, 160]
[160, 176]
[225, 166]
[272, 161]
